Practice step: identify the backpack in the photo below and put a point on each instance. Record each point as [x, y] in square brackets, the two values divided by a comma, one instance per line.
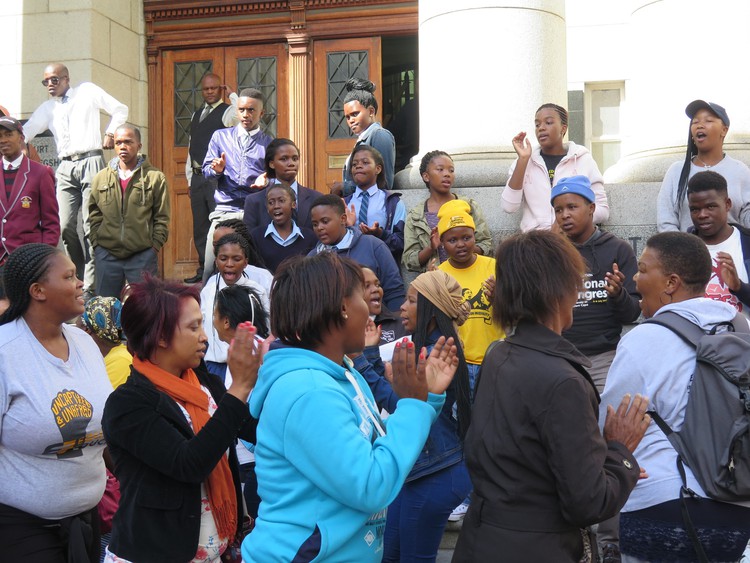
[714, 441]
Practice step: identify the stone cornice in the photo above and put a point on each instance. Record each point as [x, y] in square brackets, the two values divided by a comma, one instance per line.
[171, 10]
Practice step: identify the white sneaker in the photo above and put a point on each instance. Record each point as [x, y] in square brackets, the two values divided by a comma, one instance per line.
[458, 513]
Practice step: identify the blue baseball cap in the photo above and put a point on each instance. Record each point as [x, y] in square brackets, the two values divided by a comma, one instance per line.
[579, 185]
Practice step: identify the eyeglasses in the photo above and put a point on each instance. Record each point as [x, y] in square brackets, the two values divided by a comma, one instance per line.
[53, 80]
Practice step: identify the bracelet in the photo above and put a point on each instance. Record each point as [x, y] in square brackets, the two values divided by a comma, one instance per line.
[109, 135]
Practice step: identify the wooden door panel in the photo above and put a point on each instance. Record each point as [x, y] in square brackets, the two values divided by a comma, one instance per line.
[261, 66]
[335, 62]
[182, 73]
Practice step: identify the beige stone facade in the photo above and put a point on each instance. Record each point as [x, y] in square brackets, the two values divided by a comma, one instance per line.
[100, 41]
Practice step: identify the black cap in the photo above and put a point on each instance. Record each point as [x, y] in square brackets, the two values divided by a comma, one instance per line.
[693, 107]
[11, 124]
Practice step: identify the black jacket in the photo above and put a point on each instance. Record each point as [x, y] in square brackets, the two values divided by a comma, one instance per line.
[160, 464]
[540, 467]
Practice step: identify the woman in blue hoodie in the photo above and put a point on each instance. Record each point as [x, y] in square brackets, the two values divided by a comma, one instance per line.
[326, 468]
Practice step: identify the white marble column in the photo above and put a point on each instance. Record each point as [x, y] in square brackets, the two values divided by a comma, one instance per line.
[681, 50]
[484, 68]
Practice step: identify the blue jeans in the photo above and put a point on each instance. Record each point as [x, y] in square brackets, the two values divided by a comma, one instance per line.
[416, 519]
[473, 370]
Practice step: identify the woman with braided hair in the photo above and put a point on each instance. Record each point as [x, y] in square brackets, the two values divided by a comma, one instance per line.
[421, 240]
[439, 480]
[53, 386]
[534, 172]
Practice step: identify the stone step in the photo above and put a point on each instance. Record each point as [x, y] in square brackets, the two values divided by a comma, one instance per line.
[450, 536]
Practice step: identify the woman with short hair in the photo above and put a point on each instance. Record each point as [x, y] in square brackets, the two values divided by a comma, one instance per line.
[169, 428]
[673, 271]
[326, 467]
[542, 471]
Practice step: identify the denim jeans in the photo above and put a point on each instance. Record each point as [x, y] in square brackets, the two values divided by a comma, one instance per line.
[416, 519]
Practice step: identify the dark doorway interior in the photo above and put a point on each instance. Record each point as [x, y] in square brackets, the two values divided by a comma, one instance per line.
[400, 111]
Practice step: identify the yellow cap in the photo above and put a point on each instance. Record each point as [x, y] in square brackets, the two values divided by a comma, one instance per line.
[456, 213]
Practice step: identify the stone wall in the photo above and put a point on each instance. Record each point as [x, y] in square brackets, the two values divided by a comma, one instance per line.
[632, 206]
[100, 41]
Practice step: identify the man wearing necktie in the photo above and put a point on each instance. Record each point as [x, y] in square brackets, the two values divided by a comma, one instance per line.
[213, 115]
[235, 157]
[72, 115]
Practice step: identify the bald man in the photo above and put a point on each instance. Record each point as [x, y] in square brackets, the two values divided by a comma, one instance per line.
[213, 114]
[72, 114]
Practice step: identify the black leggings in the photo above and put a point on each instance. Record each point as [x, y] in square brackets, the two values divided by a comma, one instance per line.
[28, 538]
[658, 533]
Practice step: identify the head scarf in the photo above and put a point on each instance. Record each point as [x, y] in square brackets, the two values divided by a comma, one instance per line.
[101, 316]
[445, 293]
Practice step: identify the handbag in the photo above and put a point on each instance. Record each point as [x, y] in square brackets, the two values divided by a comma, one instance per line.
[233, 552]
[109, 503]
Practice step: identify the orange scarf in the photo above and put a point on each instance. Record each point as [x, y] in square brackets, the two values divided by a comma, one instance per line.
[186, 390]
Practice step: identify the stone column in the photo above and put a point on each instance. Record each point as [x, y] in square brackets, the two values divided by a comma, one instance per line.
[673, 63]
[484, 68]
[299, 103]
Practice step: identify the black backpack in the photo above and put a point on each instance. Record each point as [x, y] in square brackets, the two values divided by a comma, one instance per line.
[714, 441]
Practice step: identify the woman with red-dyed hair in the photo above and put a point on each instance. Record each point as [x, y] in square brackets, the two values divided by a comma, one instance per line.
[169, 429]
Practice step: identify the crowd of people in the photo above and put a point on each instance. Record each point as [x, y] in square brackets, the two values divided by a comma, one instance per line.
[295, 400]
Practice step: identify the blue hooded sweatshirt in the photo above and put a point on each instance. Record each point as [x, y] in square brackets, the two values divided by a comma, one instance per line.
[326, 467]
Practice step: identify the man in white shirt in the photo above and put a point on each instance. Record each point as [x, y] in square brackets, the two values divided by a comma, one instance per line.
[72, 115]
[728, 244]
[213, 114]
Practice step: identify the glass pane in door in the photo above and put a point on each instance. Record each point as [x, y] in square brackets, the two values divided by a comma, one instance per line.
[187, 96]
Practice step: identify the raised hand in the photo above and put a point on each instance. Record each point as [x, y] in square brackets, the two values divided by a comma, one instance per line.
[244, 359]
[219, 164]
[521, 145]
[440, 365]
[260, 182]
[372, 333]
[351, 214]
[434, 239]
[727, 271]
[614, 281]
[488, 286]
[407, 381]
[376, 230]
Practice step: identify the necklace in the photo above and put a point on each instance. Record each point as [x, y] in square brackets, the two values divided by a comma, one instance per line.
[703, 163]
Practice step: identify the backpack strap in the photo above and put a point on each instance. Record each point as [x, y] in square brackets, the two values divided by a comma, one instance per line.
[691, 334]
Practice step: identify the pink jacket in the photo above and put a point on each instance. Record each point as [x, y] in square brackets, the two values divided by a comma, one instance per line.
[537, 211]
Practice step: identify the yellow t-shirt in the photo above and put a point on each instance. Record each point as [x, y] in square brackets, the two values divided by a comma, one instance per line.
[479, 330]
[117, 362]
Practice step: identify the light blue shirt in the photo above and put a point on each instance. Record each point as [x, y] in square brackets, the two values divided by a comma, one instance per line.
[375, 208]
[278, 239]
[343, 244]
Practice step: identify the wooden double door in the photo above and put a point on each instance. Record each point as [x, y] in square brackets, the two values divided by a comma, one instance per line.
[266, 67]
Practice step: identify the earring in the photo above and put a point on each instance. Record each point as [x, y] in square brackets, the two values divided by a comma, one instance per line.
[345, 316]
